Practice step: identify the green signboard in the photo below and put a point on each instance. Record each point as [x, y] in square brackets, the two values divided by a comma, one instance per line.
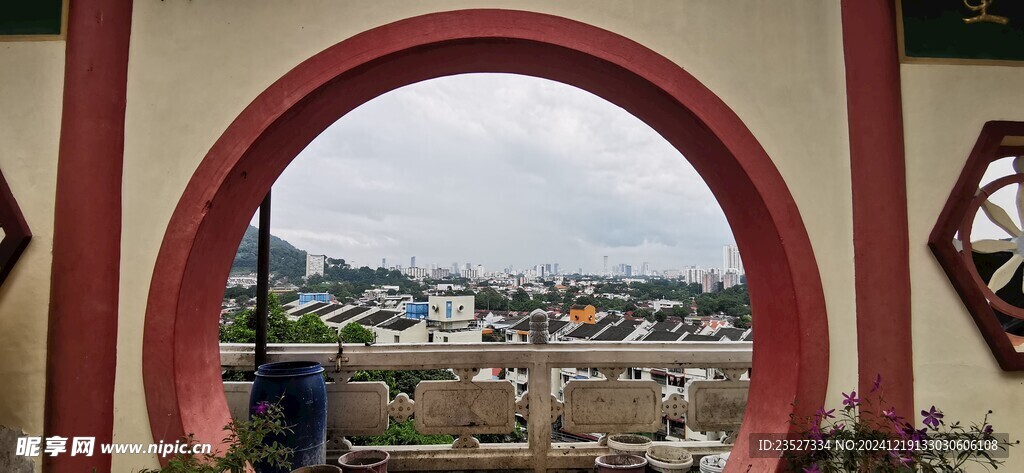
[962, 30]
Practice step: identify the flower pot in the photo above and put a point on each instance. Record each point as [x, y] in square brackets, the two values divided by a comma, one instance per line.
[669, 459]
[363, 461]
[629, 444]
[713, 463]
[620, 463]
[318, 469]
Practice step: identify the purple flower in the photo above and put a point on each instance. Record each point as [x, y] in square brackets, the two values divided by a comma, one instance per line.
[261, 408]
[932, 417]
[987, 430]
[851, 400]
[918, 435]
[815, 432]
[890, 414]
[902, 459]
[812, 469]
[823, 414]
[878, 383]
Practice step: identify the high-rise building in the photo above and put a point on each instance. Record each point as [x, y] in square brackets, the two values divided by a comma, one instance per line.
[384, 263]
[712, 277]
[645, 269]
[627, 270]
[693, 274]
[731, 259]
[412, 262]
[414, 272]
[730, 278]
[315, 264]
[604, 269]
[555, 269]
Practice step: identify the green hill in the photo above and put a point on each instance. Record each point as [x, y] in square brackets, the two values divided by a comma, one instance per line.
[286, 261]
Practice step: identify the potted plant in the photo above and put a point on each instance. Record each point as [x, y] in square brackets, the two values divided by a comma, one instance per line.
[866, 434]
[245, 443]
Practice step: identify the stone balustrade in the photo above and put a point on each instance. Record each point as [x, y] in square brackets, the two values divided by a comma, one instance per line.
[476, 404]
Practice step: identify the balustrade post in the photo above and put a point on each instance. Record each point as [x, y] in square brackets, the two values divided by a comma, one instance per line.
[539, 419]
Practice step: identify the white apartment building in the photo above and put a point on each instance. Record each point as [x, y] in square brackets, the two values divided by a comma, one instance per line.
[315, 264]
[731, 259]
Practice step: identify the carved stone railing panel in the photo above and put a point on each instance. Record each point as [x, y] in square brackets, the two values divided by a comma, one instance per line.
[612, 405]
[523, 406]
[365, 409]
[465, 407]
[674, 406]
[401, 408]
[716, 405]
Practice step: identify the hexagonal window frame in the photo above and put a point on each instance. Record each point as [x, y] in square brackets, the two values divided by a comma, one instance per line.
[998, 140]
[14, 231]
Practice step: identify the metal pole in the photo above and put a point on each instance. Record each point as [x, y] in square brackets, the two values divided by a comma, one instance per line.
[263, 282]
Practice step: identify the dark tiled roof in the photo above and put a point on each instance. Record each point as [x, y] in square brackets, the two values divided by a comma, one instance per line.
[662, 336]
[377, 318]
[310, 308]
[666, 325]
[523, 324]
[556, 325]
[688, 328]
[731, 333]
[400, 324]
[553, 325]
[578, 307]
[615, 333]
[749, 337]
[512, 321]
[348, 314]
[690, 337]
[327, 310]
[586, 330]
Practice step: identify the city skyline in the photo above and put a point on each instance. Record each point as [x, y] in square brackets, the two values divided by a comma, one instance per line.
[497, 170]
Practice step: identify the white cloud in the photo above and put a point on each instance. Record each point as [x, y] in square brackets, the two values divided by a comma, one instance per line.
[499, 170]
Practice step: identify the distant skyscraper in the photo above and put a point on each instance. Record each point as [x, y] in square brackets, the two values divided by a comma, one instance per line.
[711, 280]
[412, 262]
[693, 274]
[645, 269]
[730, 278]
[627, 270]
[315, 264]
[731, 259]
[555, 269]
[604, 269]
[384, 263]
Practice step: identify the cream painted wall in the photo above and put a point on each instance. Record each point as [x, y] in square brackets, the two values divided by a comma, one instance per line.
[944, 108]
[32, 78]
[415, 334]
[195, 65]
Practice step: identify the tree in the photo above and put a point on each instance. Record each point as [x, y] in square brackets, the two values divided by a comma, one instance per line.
[355, 333]
[311, 329]
[643, 314]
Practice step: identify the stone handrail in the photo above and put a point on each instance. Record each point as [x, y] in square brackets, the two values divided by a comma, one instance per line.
[475, 404]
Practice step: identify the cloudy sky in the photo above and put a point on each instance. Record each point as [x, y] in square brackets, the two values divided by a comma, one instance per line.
[499, 170]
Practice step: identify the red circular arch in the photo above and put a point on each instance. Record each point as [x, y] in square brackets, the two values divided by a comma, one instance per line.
[180, 353]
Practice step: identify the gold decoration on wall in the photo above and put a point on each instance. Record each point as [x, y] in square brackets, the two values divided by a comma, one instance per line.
[983, 16]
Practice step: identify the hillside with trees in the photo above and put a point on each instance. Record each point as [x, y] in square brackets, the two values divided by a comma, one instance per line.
[286, 261]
